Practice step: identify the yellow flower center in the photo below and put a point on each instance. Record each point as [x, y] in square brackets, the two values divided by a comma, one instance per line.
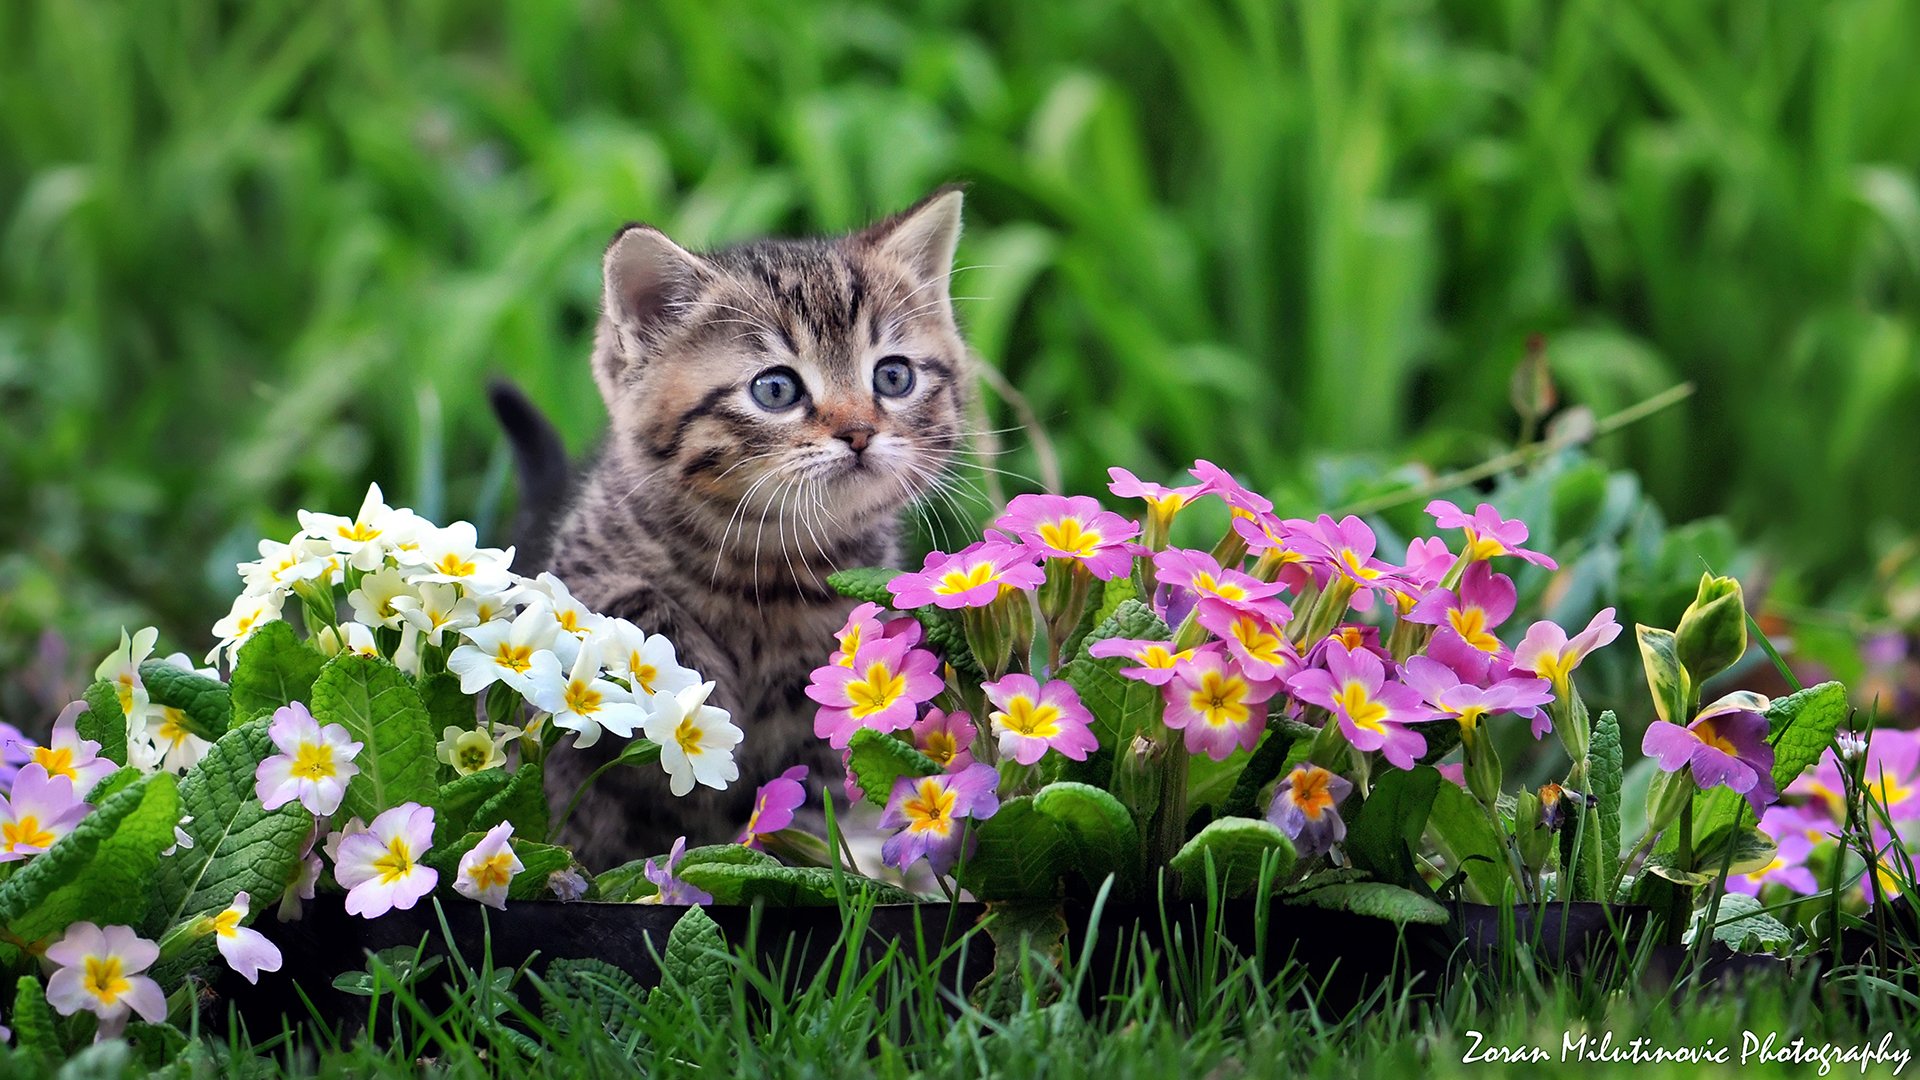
[569, 621]
[583, 699]
[1470, 718]
[955, 582]
[1205, 582]
[942, 747]
[244, 623]
[58, 761]
[1471, 624]
[313, 761]
[1776, 864]
[687, 735]
[25, 832]
[1068, 535]
[1158, 656]
[931, 809]
[877, 692]
[1220, 699]
[106, 979]
[641, 674]
[1482, 547]
[452, 565]
[850, 644]
[1355, 567]
[359, 531]
[1312, 792]
[1360, 707]
[227, 923]
[517, 658]
[472, 751]
[123, 689]
[1257, 642]
[1888, 791]
[1167, 505]
[1709, 734]
[396, 864]
[173, 726]
[1034, 719]
[492, 873]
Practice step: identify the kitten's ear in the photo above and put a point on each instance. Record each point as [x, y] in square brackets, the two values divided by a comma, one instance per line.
[648, 277]
[922, 238]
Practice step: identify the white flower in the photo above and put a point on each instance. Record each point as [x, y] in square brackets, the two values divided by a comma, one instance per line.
[487, 870]
[313, 765]
[437, 608]
[379, 599]
[646, 661]
[584, 703]
[249, 614]
[100, 971]
[506, 652]
[472, 750]
[246, 950]
[350, 637]
[281, 565]
[453, 555]
[185, 663]
[381, 869]
[364, 539]
[573, 616]
[122, 669]
[174, 748]
[696, 739]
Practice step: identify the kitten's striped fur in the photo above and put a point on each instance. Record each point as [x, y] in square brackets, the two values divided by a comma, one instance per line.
[714, 521]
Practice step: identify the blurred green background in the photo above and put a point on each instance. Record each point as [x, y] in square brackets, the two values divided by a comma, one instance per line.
[253, 255]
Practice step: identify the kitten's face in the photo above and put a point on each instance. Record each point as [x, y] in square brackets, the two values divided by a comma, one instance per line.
[817, 381]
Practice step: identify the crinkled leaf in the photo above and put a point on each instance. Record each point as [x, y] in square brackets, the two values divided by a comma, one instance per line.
[1743, 925]
[1666, 678]
[623, 884]
[238, 845]
[105, 722]
[1026, 934]
[460, 798]
[273, 668]
[1104, 837]
[1021, 854]
[206, 704]
[102, 871]
[1377, 900]
[1121, 707]
[380, 709]
[36, 1030]
[879, 759]
[522, 801]
[867, 584]
[1236, 848]
[782, 886]
[1460, 825]
[1606, 773]
[693, 970]
[594, 992]
[446, 705]
[112, 784]
[154, 1045]
[1383, 836]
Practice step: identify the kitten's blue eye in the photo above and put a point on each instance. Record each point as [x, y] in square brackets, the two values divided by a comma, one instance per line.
[776, 388]
[893, 377]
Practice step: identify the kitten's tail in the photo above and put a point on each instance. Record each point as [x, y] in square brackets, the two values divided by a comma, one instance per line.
[545, 476]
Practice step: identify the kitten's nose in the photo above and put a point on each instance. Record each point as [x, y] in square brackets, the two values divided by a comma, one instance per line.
[856, 436]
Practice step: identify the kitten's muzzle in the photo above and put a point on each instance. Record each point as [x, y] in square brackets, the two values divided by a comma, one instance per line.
[856, 436]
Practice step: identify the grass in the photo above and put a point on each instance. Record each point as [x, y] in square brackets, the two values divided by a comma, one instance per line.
[257, 255]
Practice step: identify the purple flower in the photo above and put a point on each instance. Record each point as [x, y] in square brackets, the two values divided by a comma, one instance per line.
[1262, 651]
[1162, 502]
[1349, 546]
[1286, 546]
[929, 811]
[1892, 776]
[1218, 707]
[1199, 574]
[1306, 806]
[1428, 561]
[1154, 659]
[37, 812]
[774, 804]
[1442, 688]
[1485, 600]
[1789, 864]
[1215, 480]
[1546, 651]
[1076, 529]
[862, 626]
[15, 751]
[672, 889]
[882, 690]
[1488, 534]
[1372, 710]
[1031, 719]
[945, 737]
[1725, 745]
[970, 578]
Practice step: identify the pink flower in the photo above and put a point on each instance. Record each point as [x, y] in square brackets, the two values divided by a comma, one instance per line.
[882, 690]
[1372, 710]
[489, 867]
[774, 804]
[672, 890]
[1354, 637]
[1546, 651]
[863, 625]
[1076, 528]
[381, 869]
[100, 972]
[1428, 561]
[945, 737]
[1306, 806]
[1485, 600]
[1216, 705]
[1725, 745]
[1468, 704]
[929, 811]
[1164, 502]
[970, 578]
[1488, 534]
[1154, 659]
[313, 765]
[1892, 777]
[1198, 573]
[1031, 719]
[1282, 545]
[67, 754]
[1261, 650]
[246, 951]
[37, 813]
[1215, 480]
[1789, 864]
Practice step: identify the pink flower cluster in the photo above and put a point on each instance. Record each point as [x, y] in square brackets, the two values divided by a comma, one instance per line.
[1807, 824]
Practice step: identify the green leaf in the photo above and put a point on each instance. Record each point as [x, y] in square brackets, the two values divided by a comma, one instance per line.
[522, 801]
[1386, 832]
[693, 970]
[1742, 851]
[1377, 900]
[115, 782]
[273, 668]
[154, 1045]
[1743, 925]
[105, 722]
[1021, 854]
[1029, 949]
[446, 705]
[206, 704]
[1665, 677]
[380, 709]
[594, 992]
[769, 882]
[1460, 825]
[238, 845]
[1263, 768]
[879, 759]
[1121, 707]
[1236, 847]
[460, 798]
[623, 884]
[1606, 774]
[867, 584]
[36, 1030]
[102, 871]
[1104, 837]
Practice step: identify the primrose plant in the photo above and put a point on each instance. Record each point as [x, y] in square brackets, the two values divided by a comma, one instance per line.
[390, 746]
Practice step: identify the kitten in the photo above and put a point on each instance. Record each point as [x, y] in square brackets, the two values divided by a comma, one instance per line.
[773, 407]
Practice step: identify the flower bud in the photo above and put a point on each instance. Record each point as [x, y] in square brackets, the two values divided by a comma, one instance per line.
[1483, 771]
[1713, 632]
[1667, 796]
[1530, 831]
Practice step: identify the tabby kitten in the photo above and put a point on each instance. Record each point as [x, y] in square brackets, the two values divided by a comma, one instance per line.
[773, 408]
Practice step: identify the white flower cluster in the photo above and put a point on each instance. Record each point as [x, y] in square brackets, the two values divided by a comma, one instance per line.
[439, 598]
